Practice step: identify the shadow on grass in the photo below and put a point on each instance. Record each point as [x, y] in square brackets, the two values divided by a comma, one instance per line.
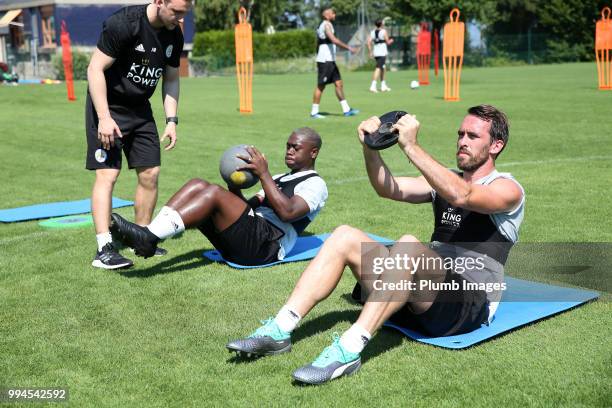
[179, 263]
[383, 341]
[331, 114]
[323, 323]
[308, 329]
[241, 358]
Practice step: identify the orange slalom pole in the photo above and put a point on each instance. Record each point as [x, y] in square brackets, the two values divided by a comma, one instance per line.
[423, 54]
[67, 61]
[436, 52]
[452, 55]
[603, 48]
[243, 35]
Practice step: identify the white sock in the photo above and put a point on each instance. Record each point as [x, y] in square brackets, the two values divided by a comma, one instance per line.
[315, 109]
[167, 223]
[373, 86]
[383, 84]
[287, 319]
[345, 106]
[103, 239]
[355, 339]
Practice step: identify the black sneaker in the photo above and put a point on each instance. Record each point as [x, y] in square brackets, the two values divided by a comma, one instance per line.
[161, 251]
[109, 258]
[158, 251]
[140, 238]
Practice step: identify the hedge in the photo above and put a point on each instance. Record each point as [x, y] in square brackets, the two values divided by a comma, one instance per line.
[80, 62]
[219, 45]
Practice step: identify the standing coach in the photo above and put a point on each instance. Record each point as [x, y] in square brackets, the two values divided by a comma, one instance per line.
[138, 46]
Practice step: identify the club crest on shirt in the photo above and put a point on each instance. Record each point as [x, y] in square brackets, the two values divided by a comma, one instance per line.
[169, 51]
[100, 155]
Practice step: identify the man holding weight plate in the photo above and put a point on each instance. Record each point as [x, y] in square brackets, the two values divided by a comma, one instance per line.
[478, 212]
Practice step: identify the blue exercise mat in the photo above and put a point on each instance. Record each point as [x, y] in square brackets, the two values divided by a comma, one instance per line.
[523, 302]
[305, 248]
[49, 210]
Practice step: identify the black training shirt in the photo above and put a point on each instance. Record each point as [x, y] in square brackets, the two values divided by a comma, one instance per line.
[141, 54]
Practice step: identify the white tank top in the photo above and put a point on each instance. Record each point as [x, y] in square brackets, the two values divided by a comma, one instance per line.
[507, 223]
[379, 50]
[326, 52]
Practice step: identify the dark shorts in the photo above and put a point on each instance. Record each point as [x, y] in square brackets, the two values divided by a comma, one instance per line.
[140, 142]
[453, 311]
[380, 62]
[251, 240]
[327, 73]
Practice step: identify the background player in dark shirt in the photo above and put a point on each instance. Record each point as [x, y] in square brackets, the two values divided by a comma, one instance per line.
[138, 46]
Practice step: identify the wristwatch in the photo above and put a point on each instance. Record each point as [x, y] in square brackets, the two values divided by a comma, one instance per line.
[173, 119]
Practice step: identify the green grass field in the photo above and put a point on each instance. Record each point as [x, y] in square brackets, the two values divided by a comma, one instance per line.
[154, 335]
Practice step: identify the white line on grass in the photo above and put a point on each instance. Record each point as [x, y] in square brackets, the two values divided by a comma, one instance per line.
[550, 161]
[22, 237]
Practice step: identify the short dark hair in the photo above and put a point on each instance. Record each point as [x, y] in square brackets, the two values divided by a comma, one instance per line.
[378, 23]
[497, 119]
[311, 135]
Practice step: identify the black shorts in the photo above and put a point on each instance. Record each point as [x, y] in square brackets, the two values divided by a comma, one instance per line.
[453, 311]
[327, 73]
[251, 240]
[380, 62]
[140, 141]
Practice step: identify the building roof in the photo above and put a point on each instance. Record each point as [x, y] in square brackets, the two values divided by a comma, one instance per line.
[17, 4]
[8, 17]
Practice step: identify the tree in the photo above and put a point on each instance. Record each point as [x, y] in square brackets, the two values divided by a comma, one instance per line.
[222, 14]
[438, 11]
[346, 10]
[215, 14]
[566, 26]
[265, 13]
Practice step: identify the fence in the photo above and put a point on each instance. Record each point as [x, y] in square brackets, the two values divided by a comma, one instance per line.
[491, 50]
[488, 50]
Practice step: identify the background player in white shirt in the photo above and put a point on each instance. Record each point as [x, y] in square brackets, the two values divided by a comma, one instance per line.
[327, 71]
[379, 51]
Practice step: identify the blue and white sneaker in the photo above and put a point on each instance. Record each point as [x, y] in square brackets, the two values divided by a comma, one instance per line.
[351, 112]
[332, 363]
[267, 340]
[317, 116]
